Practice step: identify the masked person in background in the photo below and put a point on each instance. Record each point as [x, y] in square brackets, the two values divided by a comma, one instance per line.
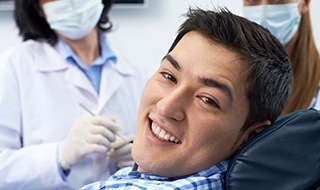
[47, 140]
[289, 21]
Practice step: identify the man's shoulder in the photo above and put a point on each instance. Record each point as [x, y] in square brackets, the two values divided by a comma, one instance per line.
[128, 179]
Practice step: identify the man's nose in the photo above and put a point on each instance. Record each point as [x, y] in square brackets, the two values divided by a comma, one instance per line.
[174, 104]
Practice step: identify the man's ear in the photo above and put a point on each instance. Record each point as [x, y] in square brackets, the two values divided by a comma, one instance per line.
[304, 6]
[254, 130]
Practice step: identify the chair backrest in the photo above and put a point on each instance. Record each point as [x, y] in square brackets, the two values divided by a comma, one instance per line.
[285, 156]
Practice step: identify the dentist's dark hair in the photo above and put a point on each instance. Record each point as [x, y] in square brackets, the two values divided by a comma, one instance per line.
[29, 18]
[266, 64]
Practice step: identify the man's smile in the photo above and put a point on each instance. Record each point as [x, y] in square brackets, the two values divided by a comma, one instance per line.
[163, 135]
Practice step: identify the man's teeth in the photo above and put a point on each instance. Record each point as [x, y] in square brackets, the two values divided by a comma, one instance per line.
[163, 135]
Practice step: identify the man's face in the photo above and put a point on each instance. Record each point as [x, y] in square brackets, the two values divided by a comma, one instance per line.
[192, 110]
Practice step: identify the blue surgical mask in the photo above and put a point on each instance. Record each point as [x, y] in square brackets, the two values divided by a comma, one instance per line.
[281, 20]
[73, 19]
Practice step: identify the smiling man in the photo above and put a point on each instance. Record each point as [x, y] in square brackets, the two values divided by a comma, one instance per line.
[223, 80]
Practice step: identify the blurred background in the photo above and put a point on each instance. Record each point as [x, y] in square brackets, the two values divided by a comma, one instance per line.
[145, 33]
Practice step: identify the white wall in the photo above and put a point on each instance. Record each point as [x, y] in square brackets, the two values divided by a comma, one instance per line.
[146, 34]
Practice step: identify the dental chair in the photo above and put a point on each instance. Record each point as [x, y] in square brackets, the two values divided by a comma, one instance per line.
[285, 156]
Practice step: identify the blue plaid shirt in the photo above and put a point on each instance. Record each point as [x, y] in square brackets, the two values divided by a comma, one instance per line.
[129, 178]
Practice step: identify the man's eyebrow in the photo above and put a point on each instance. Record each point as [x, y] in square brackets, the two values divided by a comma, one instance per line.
[205, 81]
[173, 62]
[214, 83]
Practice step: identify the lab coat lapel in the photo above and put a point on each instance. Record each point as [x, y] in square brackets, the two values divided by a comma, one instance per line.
[110, 82]
[77, 78]
[112, 77]
[54, 62]
[50, 61]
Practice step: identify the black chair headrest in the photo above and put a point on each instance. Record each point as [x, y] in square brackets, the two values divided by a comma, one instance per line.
[286, 155]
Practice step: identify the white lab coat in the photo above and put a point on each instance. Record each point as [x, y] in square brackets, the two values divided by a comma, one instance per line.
[39, 100]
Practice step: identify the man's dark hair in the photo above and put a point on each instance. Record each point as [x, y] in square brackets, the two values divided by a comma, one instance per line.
[32, 25]
[267, 66]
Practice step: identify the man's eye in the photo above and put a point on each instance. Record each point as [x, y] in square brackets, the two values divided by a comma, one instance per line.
[168, 76]
[210, 102]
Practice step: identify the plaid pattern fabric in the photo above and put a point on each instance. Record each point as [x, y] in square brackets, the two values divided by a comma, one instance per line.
[128, 178]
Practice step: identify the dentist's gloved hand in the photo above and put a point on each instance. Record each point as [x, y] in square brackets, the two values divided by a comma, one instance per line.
[91, 135]
[121, 153]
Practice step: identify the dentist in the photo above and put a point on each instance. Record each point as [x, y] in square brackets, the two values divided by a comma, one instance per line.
[47, 140]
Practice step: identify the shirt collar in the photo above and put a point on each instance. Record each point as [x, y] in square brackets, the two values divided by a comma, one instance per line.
[219, 168]
[53, 58]
[70, 57]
